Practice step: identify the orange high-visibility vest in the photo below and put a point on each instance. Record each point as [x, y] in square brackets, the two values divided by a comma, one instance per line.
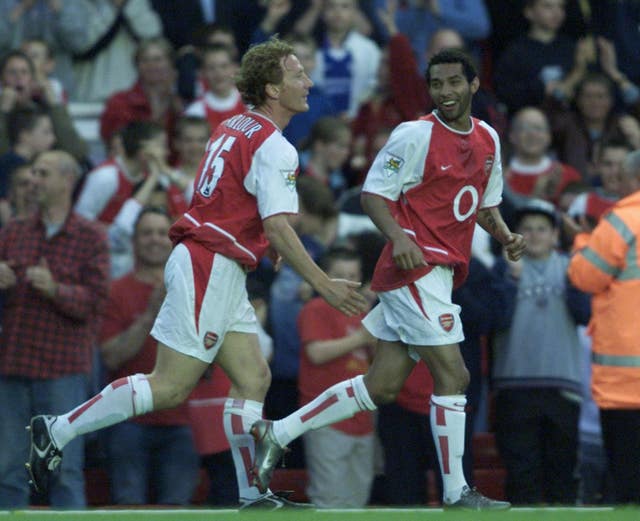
[608, 267]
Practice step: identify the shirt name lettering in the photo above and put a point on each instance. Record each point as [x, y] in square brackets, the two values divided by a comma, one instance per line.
[244, 124]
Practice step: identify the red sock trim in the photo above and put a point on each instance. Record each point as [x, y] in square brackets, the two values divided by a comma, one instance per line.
[236, 424]
[443, 441]
[84, 407]
[324, 405]
[119, 382]
[246, 461]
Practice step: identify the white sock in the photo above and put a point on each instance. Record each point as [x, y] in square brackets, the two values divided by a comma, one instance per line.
[339, 402]
[239, 416]
[118, 401]
[448, 426]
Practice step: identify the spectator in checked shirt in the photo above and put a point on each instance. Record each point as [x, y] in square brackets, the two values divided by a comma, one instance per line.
[54, 274]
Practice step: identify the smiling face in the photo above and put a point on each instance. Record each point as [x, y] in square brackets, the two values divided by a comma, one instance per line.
[295, 85]
[530, 134]
[609, 167]
[151, 240]
[51, 183]
[594, 101]
[451, 93]
[41, 137]
[154, 65]
[218, 69]
[191, 142]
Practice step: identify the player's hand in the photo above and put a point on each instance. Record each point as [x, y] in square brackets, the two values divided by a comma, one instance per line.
[41, 279]
[344, 296]
[608, 59]
[388, 16]
[155, 157]
[275, 258]
[515, 267]
[407, 254]
[573, 226]
[277, 10]
[157, 298]
[630, 128]
[8, 98]
[514, 246]
[8, 277]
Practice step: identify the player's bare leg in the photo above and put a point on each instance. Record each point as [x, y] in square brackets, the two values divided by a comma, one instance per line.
[242, 361]
[389, 370]
[451, 378]
[171, 381]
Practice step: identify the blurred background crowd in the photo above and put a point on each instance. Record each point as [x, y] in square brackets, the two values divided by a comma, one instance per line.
[106, 107]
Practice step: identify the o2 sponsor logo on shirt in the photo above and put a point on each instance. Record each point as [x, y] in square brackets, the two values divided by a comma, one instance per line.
[462, 207]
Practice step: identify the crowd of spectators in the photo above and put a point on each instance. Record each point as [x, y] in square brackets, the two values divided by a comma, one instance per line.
[560, 83]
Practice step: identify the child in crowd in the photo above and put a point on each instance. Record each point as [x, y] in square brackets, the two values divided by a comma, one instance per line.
[326, 154]
[537, 367]
[221, 99]
[44, 63]
[340, 457]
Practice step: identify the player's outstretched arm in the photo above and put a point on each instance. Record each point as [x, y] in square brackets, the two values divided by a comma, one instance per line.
[341, 294]
[491, 220]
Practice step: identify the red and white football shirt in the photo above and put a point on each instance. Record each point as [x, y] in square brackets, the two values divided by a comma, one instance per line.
[522, 178]
[248, 173]
[318, 321]
[435, 179]
[216, 109]
[105, 190]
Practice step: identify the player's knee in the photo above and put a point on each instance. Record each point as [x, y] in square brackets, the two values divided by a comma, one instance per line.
[264, 378]
[168, 394]
[465, 379]
[452, 382]
[255, 383]
[382, 393]
[461, 380]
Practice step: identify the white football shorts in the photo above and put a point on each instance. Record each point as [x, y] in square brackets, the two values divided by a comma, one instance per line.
[419, 314]
[206, 298]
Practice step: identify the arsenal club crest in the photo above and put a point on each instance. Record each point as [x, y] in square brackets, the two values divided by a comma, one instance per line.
[210, 339]
[446, 321]
[488, 164]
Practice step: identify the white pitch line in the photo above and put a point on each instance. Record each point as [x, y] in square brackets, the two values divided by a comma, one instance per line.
[193, 511]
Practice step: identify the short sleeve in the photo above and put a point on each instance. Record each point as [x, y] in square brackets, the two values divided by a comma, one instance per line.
[493, 194]
[400, 163]
[272, 177]
[100, 186]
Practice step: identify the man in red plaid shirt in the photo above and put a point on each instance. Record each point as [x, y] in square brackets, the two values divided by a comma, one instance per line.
[54, 273]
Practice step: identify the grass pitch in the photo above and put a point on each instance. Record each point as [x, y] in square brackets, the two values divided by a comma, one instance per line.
[371, 514]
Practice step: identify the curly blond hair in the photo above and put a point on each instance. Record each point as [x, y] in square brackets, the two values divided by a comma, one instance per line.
[261, 65]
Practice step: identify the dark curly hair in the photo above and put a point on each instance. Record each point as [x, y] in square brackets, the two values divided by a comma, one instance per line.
[453, 56]
[261, 65]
